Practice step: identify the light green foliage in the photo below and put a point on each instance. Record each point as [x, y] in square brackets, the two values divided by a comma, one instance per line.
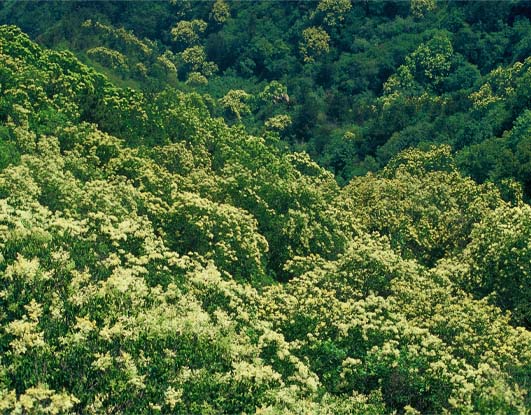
[124, 54]
[405, 73]
[422, 203]
[195, 58]
[422, 72]
[274, 92]
[334, 10]
[110, 58]
[155, 259]
[235, 102]
[39, 400]
[498, 260]
[187, 32]
[196, 78]
[278, 122]
[502, 84]
[404, 339]
[222, 233]
[419, 8]
[167, 61]
[125, 40]
[431, 61]
[315, 42]
[220, 11]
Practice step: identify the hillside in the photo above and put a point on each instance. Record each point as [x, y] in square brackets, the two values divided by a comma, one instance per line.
[154, 259]
[353, 83]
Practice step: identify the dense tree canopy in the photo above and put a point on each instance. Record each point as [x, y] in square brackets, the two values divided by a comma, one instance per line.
[163, 248]
[392, 74]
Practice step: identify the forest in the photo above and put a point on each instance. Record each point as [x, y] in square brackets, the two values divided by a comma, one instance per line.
[265, 207]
